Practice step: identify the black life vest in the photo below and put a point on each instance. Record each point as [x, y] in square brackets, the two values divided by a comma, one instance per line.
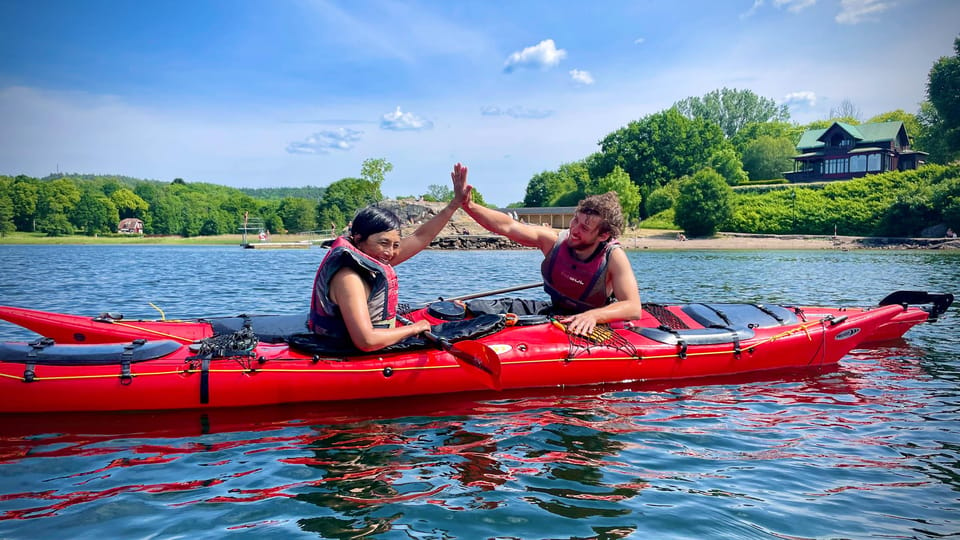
[325, 316]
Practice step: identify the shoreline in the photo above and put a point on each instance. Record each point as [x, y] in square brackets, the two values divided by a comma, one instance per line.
[744, 241]
[635, 239]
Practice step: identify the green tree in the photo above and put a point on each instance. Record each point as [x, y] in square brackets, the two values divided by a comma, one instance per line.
[6, 209]
[662, 198]
[375, 170]
[236, 204]
[439, 193]
[943, 91]
[627, 191]
[552, 188]
[767, 157]
[658, 148]
[24, 195]
[94, 213]
[928, 139]
[55, 201]
[55, 224]
[910, 122]
[343, 198]
[776, 129]
[732, 109]
[128, 203]
[167, 211]
[726, 162]
[298, 215]
[704, 203]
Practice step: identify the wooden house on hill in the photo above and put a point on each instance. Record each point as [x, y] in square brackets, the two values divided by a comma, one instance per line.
[130, 226]
[844, 151]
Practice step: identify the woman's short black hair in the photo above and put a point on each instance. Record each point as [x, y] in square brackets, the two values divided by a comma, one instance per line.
[373, 220]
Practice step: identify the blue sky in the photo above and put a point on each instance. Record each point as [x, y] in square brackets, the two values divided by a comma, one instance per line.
[257, 93]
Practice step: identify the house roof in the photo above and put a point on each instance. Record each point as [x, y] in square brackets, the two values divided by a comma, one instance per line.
[864, 134]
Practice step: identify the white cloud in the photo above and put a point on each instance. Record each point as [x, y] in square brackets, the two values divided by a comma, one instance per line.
[856, 11]
[515, 112]
[639, 41]
[401, 121]
[800, 99]
[793, 6]
[543, 55]
[323, 142]
[581, 77]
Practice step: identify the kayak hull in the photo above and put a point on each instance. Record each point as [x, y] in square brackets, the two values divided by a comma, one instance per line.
[169, 374]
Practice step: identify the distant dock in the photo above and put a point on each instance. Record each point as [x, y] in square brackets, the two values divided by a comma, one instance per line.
[277, 245]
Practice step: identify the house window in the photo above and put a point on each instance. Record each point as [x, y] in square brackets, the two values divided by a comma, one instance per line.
[858, 163]
[873, 162]
[836, 166]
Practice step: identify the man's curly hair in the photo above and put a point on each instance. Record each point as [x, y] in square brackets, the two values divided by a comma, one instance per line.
[607, 206]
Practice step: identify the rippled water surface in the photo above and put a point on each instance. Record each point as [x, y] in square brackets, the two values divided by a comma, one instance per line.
[870, 449]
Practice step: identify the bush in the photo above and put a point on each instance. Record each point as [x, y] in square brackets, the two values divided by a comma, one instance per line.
[704, 203]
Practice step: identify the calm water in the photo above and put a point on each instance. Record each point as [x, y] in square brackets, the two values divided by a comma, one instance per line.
[868, 450]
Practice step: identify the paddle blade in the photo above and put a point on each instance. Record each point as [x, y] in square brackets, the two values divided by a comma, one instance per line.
[480, 360]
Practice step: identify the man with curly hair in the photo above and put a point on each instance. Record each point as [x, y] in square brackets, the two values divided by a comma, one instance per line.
[585, 271]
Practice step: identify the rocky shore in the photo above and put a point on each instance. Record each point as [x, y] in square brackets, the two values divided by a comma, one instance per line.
[661, 240]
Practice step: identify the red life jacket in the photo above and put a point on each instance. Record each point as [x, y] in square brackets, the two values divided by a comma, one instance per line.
[325, 316]
[575, 285]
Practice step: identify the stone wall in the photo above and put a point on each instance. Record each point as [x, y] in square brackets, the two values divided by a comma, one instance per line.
[474, 241]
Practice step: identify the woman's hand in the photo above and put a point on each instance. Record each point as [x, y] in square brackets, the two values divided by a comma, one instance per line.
[461, 190]
[420, 327]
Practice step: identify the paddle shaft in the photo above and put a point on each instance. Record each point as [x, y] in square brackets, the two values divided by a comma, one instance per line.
[428, 334]
[497, 291]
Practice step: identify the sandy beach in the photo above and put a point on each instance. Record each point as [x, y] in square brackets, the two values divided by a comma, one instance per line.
[652, 239]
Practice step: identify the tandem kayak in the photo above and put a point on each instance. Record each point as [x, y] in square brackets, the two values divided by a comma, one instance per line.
[107, 363]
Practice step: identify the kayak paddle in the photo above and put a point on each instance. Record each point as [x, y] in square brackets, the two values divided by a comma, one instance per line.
[473, 356]
[493, 292]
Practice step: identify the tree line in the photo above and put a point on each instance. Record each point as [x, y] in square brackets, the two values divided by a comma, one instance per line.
[61, 205]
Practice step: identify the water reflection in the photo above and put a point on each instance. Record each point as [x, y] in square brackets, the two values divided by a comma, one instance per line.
[868, 448]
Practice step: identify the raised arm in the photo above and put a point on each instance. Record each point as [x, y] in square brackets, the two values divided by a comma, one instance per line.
[542, 238]
[421, 238]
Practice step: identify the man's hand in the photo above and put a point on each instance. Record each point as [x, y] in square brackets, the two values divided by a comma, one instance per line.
[461, 190]
[581, 324]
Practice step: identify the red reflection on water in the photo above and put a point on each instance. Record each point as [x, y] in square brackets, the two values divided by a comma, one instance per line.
[80, 497]
[363, 459]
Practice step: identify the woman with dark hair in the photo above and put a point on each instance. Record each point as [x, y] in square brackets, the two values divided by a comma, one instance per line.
[356, 289]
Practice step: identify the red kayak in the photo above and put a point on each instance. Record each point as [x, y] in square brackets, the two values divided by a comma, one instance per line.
[106, 363]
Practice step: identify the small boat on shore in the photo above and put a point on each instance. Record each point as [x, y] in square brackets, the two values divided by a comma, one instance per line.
[107, 363]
